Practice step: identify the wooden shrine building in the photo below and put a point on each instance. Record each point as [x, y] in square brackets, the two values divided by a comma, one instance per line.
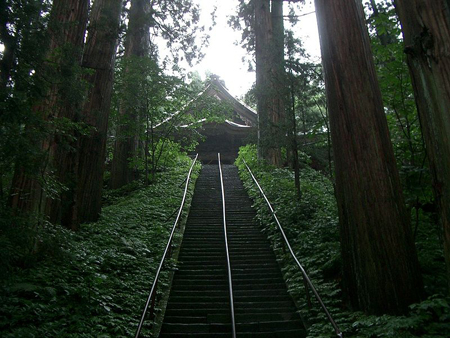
[226, 138]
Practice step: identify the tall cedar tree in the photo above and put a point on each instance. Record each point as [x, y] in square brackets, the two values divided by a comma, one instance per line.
[270, 86]
[24, 24]
[66, 32]
[426, 33]
[137, 44]
[380, 266]
[99, 58]
[292, 130]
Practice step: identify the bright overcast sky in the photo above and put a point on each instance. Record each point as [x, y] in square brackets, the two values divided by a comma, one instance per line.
[224, 58]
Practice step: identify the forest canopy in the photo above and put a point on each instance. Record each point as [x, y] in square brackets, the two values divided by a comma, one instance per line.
[99, 110]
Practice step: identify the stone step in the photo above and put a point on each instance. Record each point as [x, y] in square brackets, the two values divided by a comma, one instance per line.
[199, 303]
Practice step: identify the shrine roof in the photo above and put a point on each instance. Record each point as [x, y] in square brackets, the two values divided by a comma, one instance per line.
[219, 90]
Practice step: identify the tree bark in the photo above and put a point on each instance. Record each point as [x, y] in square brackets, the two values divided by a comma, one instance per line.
[426, 32]
[293, 136]
[270, 87]
[137, 44]
[380, 266]
[262, 37]
[278, 78]
[99, 57]
[66, 31]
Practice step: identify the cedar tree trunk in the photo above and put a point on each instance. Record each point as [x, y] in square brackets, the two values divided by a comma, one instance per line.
[278, 84]
[426, 32]
[262, 26]
[99, 57]
[137, 44]
[66, 31]
[380, 266]
[67, 35]
[269, 34]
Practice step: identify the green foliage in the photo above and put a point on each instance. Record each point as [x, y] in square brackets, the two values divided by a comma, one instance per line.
[406, 135]
[177, 22]
[24, 37]
[398, 98]
[244, 21]
[92, 283]
[40, 98]
[428, 233]
[311, 226]
[430, 318]
[169, 153]
[306, 109]
[159, 109]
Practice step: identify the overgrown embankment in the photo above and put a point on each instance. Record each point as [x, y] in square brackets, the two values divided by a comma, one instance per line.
[311, 224]
[92, 283]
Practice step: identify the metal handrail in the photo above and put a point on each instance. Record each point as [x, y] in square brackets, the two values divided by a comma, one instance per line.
[230, 283]
[305, 275]
[152, 294]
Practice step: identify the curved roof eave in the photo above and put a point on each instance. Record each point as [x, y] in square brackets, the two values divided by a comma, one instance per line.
[237, 125]
[247, 114]
[242, 109]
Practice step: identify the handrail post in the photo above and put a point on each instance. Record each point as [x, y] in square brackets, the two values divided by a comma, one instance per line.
[151, 299]
[230, 281]
[302, 270]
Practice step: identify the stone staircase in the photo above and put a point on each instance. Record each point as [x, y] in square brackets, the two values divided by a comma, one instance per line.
[199, 303]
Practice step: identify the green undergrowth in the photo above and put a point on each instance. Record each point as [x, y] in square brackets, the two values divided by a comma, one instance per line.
[94, 282]
[311, 225]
